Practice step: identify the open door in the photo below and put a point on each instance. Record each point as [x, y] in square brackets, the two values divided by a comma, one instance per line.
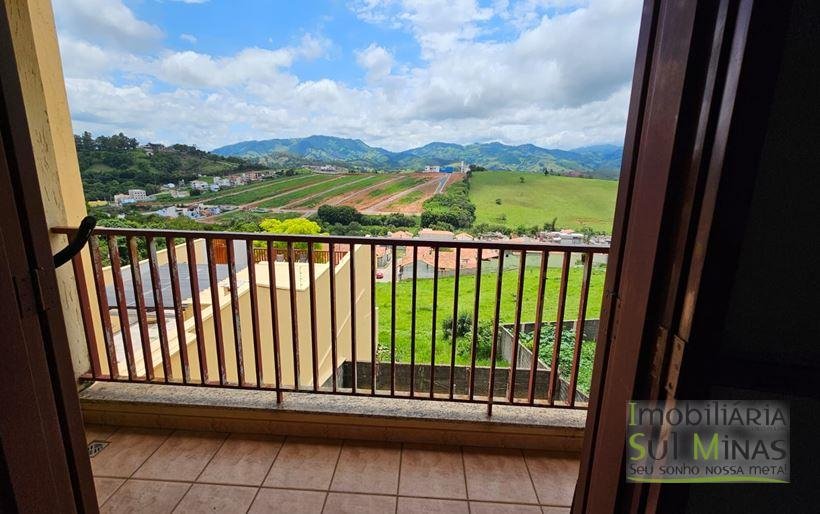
[44, 465]
[702, 92]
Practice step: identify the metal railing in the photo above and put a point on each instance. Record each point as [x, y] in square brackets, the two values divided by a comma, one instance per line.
[167, 310]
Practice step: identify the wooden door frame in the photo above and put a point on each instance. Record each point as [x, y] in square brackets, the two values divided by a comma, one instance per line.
[48, 468]
[702, 90]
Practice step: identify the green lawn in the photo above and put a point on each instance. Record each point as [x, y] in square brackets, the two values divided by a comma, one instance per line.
[575, 202]
[424, 310]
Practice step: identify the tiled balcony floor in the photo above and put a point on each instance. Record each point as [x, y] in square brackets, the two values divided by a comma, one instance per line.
[147, 470]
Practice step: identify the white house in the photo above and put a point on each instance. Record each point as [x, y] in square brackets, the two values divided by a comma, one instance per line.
[138, 195]
[199, 185]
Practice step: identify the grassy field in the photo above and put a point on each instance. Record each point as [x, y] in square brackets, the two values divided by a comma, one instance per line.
[338, 188]
[502, 198]
[256, 192]
[424, 310]
[395, 187]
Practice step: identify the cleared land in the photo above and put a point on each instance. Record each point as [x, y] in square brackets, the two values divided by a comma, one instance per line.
[502, 198]
[466, 297]
[354, 185]
[250, 194]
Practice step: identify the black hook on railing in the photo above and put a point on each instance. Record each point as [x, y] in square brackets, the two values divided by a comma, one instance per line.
[80, 238]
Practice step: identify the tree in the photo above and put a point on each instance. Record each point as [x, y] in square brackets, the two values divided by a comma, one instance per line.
[290, 226]
[339, 214]
[521, 180]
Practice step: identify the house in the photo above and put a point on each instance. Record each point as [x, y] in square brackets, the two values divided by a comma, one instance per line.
[180, 193]
[464, 236]
[122, 199]
[400, 234]
[138, 195]
[440, 235]
[426, 265]
[223, 181]
[199, 185]
[214, 188]
[432, 169]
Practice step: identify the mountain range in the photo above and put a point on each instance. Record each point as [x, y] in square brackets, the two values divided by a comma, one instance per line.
[600, 161]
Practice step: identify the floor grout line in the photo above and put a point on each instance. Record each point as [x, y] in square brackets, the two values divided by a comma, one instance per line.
[532, 480]
[190, 486]
[224, 439]
[333, 475]
[398, 481]
[267, 473]
[464, 474]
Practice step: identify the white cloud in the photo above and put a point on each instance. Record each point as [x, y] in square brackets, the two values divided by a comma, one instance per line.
[376, 60]
[188, 38]
[557, 81]
[110, 21]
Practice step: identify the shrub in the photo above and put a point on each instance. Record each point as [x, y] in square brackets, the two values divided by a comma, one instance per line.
[464, 323]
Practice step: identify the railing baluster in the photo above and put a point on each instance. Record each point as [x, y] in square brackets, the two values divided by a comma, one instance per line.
[139, 299]
[102, 304]
[496, 323]
[178, 312]
[474, 343]
[536, 337]
[559, 329]
[435, 312]
[196, 301]
[579, 328]
[455, 322]
[314, 336]
[216, 311]
[353, 356]
[393, 281]
[237, 322]
[159, 309]
[413, 324]
[373, 344]
[257, 343]
[522, 266]
[122, 307]
[334, 338]
[294, 321]
[85, 314]
[274, 305]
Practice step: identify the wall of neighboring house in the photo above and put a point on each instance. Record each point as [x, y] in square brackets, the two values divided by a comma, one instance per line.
[286, 340]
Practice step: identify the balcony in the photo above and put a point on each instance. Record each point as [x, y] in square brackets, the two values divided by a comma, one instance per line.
[409, 349]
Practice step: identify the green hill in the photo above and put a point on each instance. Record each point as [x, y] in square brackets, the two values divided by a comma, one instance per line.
[601, 161]
[111, 165]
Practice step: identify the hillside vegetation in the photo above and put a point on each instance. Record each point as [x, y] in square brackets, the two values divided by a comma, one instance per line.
[111, 165]
[602, 161]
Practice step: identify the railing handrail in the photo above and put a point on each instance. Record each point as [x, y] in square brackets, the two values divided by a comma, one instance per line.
[498, 244]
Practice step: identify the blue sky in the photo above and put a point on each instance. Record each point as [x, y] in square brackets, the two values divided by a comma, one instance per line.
[394, 73]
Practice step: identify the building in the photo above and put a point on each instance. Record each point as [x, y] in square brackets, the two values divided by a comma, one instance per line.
[199, 185]
[432, 169]
[122, 199]
[440, 235]
[138, 195]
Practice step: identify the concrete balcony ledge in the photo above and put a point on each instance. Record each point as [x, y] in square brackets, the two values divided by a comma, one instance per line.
[332, 416]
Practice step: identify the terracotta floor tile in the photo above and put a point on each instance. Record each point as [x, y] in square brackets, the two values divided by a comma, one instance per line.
[128, 449]
[139, 496]
[304, 463]
[503, 508]
[288, 500]
[554, 510]
[182, 456]
[366, 467]
[497, 475]
[105, 487]
[554, 477]
[432, 471]
[98, 432]
[216, 498]
[340, 503]
[244, 459]
[428, 506]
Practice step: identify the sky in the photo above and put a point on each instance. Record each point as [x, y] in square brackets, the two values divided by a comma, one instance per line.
[393, 73]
